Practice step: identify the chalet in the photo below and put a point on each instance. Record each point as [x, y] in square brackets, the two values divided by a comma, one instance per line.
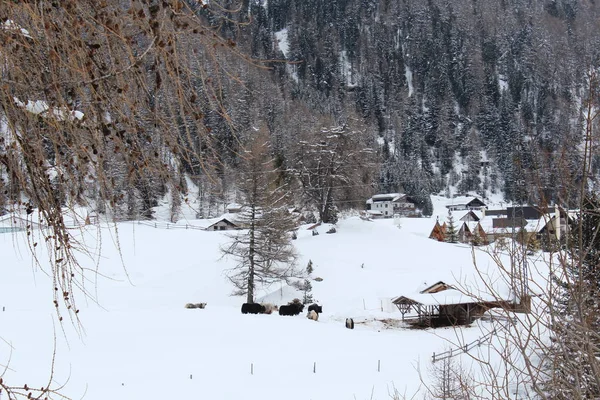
[546, 224]
[217, 224]
[472, 232]
[478, 234]
[464, 233]
[391, 204]
[438, 232]
[465, 203]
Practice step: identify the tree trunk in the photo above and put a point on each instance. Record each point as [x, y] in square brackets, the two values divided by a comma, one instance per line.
[251, 251]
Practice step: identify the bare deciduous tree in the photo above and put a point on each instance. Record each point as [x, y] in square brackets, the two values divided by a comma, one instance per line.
[263, 251]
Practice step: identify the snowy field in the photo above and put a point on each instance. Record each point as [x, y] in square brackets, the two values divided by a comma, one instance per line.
[139, 342]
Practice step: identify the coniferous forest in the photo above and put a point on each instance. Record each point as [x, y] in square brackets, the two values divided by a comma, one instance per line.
[356, 96]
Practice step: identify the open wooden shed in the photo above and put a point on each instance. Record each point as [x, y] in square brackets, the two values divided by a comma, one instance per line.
[443, 307]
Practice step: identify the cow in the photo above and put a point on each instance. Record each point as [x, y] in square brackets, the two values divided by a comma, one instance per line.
[253, 308]
[269, 308]
[317, 308]
[312, 314]
[349, 323]
[291, 309]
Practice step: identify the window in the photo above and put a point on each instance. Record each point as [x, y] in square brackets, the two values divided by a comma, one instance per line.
[386, 206]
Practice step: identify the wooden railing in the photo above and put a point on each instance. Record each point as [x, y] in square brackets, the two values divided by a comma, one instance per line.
[463, 349]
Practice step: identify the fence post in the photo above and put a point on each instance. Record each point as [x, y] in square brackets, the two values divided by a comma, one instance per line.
[364, 304]
[251, 368]
[379, 365]
[433, 357]
[155, 225]
[315, 367]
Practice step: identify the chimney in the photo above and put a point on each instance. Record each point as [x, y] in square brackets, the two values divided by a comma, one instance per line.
[482, 212]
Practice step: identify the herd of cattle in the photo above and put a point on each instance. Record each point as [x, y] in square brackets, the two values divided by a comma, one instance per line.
[292, 308]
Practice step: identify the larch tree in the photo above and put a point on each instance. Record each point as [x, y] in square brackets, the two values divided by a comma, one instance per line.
[101, 103]
[263, 251]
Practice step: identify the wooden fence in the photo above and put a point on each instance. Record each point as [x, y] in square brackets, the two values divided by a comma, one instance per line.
[463, 349]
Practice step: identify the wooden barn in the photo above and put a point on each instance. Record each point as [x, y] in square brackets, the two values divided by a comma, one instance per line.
[443, 305]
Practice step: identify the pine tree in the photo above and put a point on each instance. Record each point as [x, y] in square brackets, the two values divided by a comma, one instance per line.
[307, 296]
[263, 252]
[451, 232]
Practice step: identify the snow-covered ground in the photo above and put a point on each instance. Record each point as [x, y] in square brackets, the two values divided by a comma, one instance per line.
[139, 342]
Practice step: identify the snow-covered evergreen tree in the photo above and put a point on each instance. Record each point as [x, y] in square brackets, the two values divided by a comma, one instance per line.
[451, 232]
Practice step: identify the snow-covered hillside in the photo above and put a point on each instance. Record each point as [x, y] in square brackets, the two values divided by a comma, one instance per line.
[139, 342]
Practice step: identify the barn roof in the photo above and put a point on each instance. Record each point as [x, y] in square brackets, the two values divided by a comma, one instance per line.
[445, 297]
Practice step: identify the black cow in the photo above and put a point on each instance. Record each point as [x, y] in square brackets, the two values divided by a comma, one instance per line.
[316, 308]
[291, 309]
[253, 308]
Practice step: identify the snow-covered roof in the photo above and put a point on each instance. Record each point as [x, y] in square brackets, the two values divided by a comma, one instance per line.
[386, 197]
[208, 222]
[234, 206]
[449, 296]
[458, 215]
[463, 200]
[536, 225]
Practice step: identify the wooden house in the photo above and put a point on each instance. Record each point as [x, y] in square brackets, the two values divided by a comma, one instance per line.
[438, 232]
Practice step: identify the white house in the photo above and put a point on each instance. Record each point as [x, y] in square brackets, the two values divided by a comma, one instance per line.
[217, 224]
[391, 203]
[465, 203]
